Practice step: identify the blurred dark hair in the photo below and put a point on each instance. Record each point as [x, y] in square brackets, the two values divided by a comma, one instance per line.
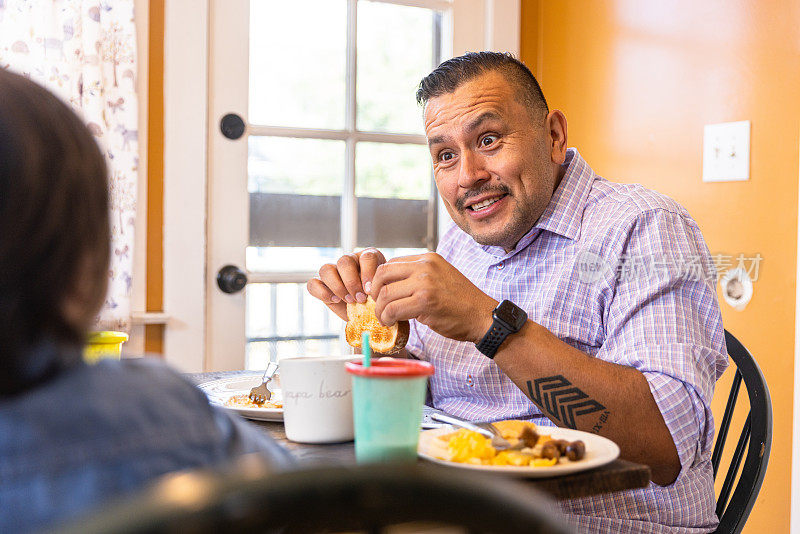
[453, 73]
[54, 226]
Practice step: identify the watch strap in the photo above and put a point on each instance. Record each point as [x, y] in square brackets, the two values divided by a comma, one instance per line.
[493, 339]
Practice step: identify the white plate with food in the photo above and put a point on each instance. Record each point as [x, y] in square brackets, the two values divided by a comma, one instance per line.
[233, 393]
[434, 445]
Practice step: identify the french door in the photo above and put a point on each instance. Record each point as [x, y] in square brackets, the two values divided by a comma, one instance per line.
[316, 148]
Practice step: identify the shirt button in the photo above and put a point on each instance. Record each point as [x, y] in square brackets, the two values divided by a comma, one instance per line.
[500, 266]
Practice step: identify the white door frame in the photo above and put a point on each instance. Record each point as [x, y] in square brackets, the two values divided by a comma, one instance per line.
[227, 160]
[475, 25]
[185, 174]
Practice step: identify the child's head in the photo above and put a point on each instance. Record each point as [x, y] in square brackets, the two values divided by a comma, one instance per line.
[54, 222]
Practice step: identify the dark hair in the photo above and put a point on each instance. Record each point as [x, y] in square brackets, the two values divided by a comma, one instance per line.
[54, 226]
[453, 73]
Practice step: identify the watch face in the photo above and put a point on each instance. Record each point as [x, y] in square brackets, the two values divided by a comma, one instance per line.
[511, 314]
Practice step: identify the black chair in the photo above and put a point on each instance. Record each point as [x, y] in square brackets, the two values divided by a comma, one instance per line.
[756, 437]
[339, 499]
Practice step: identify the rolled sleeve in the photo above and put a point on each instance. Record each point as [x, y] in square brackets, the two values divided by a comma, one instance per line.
[686, 415]
[667, 324]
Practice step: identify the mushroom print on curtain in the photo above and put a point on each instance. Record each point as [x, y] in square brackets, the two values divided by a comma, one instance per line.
[85, 52]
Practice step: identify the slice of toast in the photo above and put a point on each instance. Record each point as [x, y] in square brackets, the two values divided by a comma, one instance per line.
[383, 339]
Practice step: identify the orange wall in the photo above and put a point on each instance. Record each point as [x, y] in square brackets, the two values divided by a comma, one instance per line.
[154, 333]
[637, 81]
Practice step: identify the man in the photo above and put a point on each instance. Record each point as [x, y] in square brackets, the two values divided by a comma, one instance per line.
[619, 338]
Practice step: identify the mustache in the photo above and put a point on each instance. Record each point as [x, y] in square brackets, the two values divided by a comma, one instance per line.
[500, 189]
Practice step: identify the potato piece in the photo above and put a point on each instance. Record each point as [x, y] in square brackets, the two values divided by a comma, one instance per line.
[544, 462]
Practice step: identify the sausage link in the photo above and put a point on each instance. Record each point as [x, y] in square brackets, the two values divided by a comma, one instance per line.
[576, 450]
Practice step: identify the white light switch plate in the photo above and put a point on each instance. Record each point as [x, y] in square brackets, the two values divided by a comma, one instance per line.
[726, 151]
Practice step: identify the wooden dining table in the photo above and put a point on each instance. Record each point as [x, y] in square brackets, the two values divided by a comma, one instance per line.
[617, 475]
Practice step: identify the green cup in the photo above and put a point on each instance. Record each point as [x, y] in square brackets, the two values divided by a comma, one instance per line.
[387, 408]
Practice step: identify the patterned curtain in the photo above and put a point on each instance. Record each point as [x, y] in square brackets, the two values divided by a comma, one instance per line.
[85, 52]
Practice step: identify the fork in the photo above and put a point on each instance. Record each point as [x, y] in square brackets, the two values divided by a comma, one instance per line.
[486, 429]
[261, 394]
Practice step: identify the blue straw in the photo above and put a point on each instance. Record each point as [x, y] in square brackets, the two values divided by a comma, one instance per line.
[366, 350]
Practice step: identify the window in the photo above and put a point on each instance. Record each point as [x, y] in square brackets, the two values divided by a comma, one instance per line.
[337, 157]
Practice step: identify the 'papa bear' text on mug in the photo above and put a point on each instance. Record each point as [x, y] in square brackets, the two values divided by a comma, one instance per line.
[322, 393]
[317, 399]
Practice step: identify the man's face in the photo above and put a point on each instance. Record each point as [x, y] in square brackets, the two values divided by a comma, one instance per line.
[491, 159]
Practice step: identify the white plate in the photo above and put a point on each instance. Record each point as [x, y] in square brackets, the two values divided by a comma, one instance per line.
[599, 451]
[220, 390]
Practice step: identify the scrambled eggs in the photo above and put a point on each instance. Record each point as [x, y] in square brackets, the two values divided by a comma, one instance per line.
[243, 401]
[466, 446]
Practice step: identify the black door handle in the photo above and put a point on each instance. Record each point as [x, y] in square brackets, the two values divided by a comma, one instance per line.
[232, 126]
[231, 279]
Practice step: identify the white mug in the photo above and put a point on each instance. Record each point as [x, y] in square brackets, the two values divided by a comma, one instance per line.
[317, 399]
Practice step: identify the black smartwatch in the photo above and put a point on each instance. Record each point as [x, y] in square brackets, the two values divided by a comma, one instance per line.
[508, 319]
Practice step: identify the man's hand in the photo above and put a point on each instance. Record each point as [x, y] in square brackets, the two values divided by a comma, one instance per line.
[427, 288]
[348, 280]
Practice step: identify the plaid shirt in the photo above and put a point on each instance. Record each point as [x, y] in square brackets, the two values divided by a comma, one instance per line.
[623, 274]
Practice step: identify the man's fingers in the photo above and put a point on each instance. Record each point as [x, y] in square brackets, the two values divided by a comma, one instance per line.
[369, 260]
[339, 309]
[400, 310]
[348, 271]
[343, 280]
[390, 293]
[388, 273]
[329, 276]
[319, 290]
[401, 259]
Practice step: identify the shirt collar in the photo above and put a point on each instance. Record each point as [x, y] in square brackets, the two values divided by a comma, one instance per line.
[564, 213]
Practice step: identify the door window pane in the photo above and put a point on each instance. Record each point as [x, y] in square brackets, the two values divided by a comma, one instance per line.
[393, 185]
[295, 166]
[258, 353]
[295, 190]
[285, 320]
[297, 63]
[287, 259]
[386, 170]
[395, 50]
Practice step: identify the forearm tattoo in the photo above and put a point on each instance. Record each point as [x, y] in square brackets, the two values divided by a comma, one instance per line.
[600, 422]
[561, 401]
